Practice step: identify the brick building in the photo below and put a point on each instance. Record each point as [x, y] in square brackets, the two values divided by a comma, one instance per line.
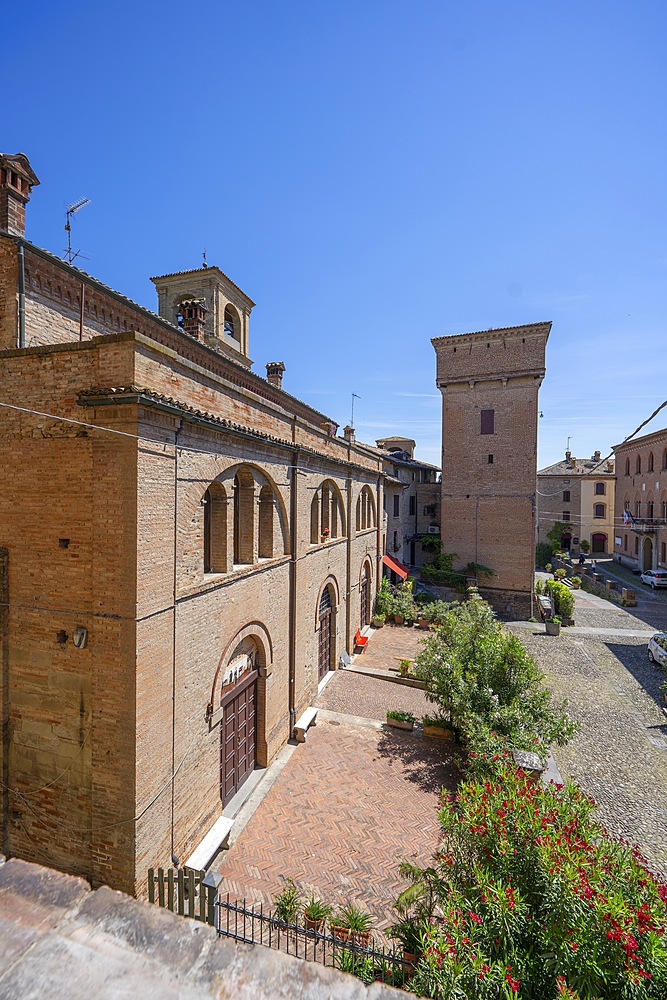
[489, 382]
[411, 499]
[579, 491]
[641, 489]
[185, 550]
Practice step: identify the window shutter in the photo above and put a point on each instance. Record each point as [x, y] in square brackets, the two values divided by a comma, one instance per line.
[487, 421]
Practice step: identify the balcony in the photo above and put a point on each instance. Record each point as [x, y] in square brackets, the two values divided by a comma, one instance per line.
[646, 525]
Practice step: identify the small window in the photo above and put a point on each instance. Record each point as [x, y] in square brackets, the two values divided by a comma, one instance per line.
[566, 496]
[413, 505]
[599, 510]
[649, 509]
[488, 421]
[649, 464]
[638, 465]
[566, 515]
[664, 510]
[627, 466]
[429, 510]
[664, 459]
[397, 505]
[600, 489]
[638, 508]
[490, 460]
[625, 542]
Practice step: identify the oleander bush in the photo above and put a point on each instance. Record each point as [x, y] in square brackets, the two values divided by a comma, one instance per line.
[563, 598]
[531, 898]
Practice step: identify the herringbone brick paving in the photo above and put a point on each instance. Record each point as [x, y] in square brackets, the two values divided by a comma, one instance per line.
[350, 803]
[370, 697]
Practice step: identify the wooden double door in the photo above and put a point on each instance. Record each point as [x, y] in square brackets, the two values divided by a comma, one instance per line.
[238, 737]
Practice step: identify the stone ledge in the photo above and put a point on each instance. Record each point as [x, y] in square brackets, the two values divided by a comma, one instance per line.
[60, 938]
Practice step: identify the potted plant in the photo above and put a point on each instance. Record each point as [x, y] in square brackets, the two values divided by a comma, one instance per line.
[438, 727]
[326, 532]
[315, 912]
[287, 903]
[400, 720]
[408, 933]
[351, 923]
[404, 667]
[552, 625]
[378, 621]
[576, 582]
[548, 567]
[560, 573]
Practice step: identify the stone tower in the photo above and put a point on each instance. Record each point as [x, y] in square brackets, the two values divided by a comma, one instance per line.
[489, 382]
[209, 306]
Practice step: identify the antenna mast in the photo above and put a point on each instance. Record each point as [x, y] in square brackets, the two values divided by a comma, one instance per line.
[354, 396]
[71, 255]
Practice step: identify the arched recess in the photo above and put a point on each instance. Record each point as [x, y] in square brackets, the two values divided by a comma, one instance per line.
[647, 554]
[232, 322]
[598, 542]
[244, 517]
[215, 529]
[365, 509]
[266, 505]
[238, 700]
[366, 593]
[327, 512]
[649, 463]
[326, 631]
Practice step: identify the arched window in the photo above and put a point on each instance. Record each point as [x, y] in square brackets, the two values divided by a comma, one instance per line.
[649, 510]
[215, 529]
[627, 466]
[599, 510]
[327, 518]
[600, 489]
[244, 518]
[638, 464]
[649, 464]
[266, 506]
[232, 323]
[664, 459]
[365, 509]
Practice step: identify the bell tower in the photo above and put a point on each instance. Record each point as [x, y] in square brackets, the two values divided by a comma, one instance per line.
[17, 179]
[207, 305]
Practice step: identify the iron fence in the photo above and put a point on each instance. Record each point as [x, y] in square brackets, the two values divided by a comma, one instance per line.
[340, 949]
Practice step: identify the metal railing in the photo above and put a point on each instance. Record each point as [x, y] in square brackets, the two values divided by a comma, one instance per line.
[341, 949]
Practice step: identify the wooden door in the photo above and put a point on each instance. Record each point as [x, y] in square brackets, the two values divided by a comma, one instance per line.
[324, 640]
[238, 739]
[365, 597]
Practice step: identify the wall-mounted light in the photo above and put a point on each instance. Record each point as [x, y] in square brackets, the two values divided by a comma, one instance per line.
[62, 636]
[80, 637]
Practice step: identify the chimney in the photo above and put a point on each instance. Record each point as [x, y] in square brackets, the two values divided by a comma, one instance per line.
[568, 456]
[274, 373]
[596, 456]
[193, 317]
[17, 180]
[348, 434]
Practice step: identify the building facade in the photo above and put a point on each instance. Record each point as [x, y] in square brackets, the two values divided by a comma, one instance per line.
[580, 492]
[186, 550]
[411, 498]
[640, 538]
[489, 382]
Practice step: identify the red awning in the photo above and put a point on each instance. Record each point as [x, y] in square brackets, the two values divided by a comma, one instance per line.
[397, 566]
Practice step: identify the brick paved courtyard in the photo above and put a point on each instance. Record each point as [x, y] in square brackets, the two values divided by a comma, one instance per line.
[350, 803]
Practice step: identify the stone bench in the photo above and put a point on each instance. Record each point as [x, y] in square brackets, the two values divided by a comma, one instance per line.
[216, 838]
[308, 719]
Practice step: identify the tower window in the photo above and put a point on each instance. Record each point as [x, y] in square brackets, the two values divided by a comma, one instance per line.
[600, 489]
[490, 459]
[487, 421]
[566, 496]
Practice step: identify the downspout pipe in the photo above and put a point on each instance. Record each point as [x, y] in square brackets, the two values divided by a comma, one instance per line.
[173, 645]
[294, 510]
[21, 294]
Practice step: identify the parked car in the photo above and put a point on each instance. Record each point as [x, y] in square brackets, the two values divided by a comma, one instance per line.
[654, 578]
[657, 648]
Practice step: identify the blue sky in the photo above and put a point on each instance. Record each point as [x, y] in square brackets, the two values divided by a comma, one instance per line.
[372, 174]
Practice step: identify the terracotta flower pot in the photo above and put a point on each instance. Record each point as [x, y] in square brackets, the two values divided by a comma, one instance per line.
[340, 933]
[313, 925]
[439, 732]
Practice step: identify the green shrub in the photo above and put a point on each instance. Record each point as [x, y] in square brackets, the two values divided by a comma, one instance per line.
[539, 586]
[543, 553]
[548, 567]
[529, 896]
[400, 716]
[383, 597]
[585, 545]
[560, 573]
[563, 598]
[287, 903]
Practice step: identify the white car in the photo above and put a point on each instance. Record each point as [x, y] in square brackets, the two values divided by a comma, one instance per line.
[654, 578]
[657, 648]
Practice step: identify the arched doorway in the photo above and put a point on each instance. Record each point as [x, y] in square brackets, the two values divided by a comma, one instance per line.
[238, 725]
[566, 542]
[365, 586]
[598, 542]
[324, 643]
[647, 554]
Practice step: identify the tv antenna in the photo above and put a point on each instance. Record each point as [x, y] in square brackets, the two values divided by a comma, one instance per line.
[71, 255]
[354, 396]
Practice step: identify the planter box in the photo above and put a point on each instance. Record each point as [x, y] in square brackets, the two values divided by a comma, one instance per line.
[399, 724]
[439, 732]
[552, 628]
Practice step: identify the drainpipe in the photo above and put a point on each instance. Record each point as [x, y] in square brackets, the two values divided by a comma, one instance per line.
[348, 560]
[21, 295]
[173, 643]
[294, 510]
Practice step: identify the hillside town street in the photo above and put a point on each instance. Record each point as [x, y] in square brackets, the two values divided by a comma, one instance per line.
[620, 753]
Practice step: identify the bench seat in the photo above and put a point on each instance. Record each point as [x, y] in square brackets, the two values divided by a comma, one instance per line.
[308, 719]
[216, 837]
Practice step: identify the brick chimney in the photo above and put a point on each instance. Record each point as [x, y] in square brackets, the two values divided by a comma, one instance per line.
[348, 434]
[568, 457]
[596, 456]
[193, 317]
[274, 373]
[17, 180]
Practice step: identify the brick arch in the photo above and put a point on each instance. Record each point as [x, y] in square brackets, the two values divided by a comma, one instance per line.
[255, 630]
[330, 580]
[261, 479]
[327, 512]
[367, 602]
